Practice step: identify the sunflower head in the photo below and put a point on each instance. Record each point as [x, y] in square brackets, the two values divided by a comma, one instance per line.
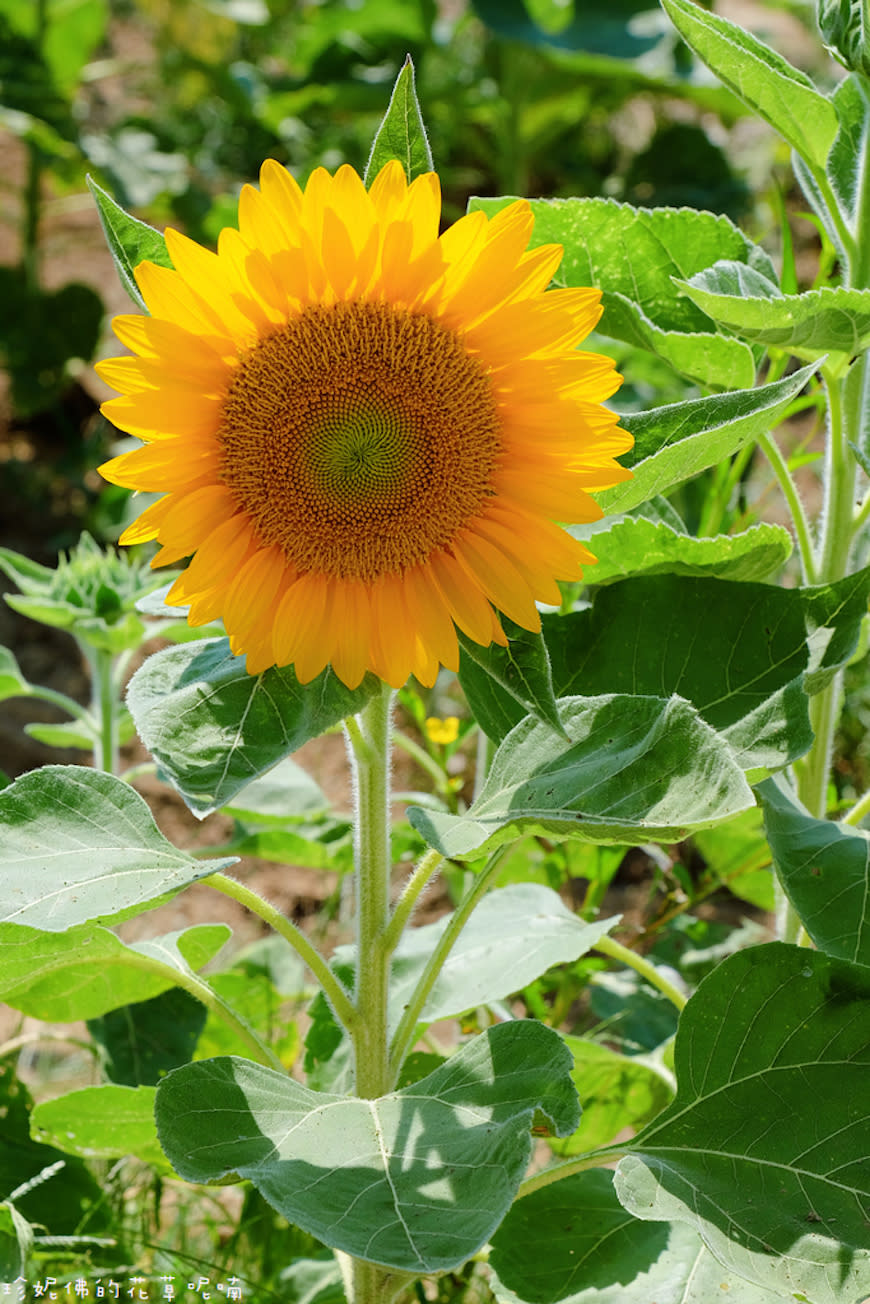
[363, 430]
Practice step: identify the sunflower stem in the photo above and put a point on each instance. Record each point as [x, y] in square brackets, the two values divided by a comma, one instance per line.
[369, 738]
[370, 751]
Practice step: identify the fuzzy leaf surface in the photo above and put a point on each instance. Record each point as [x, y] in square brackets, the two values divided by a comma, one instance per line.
[85, 971]
[402, 134]
[633, 254]
[78, 846]
[768, 83]
[745, 655]
[635, 769]
[632, 546]
[522, 670]
[213, 728]
[824, 868]
[764, 1149]
[817, 322]
[416, 1180]
[130, 241]
[590, 1250]
[675, 442]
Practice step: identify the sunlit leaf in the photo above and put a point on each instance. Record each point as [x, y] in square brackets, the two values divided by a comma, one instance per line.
[417, 1180]
[630, 773]
[213, 728]
[768, 83]
[675, 442]
[402, 134]
[80, 846]
[589, 1250]
[763, 1151]
[817, 322]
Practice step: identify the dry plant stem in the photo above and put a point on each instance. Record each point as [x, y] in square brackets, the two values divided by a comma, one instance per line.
[308, 953]
[654, 976]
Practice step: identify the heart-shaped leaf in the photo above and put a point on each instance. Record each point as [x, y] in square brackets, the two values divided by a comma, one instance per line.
[78, 846]
[630, 772]
[213, 728]
[764, 1149]
[417, 1180]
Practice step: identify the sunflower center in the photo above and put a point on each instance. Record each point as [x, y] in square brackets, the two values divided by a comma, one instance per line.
[359, 438]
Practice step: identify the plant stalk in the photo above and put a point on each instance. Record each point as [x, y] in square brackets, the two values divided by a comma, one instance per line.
[654, 976]
[369, 737]
[104, 691]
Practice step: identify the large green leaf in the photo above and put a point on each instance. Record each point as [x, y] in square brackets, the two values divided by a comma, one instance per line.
[817, 322]
[675, 442]
[104, 1122]
[130, 241]
[632, 255]
[764, 1149]
[522, 670]
[85, 971]
[776, 91]
[714, 361]
[635, 769]
[78, 846]
[516, 934]
[616, 1092]
[849, 158]
[213, 728]
[781, 644]
[824, 868]
[417, 1180]
[402, 134]
[589, 1250]
[511, 938]
[631, 546]
[140, 1042]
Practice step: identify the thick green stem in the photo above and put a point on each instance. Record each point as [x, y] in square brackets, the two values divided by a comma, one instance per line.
[332, 988]
[105, 705]
[654, 976]
[835, 545]
[370, 748]
[368, 737]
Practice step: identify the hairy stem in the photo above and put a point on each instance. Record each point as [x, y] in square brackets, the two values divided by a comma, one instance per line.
[304, 948]
[654, 976]
[404, 1034]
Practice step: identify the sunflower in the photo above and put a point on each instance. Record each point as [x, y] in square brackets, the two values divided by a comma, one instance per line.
[363, 431]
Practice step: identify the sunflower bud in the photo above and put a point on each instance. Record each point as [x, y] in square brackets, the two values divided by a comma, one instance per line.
[845, 28]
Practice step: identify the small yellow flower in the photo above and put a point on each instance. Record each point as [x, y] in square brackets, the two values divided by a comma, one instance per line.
[363, 431]
[444, 731]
